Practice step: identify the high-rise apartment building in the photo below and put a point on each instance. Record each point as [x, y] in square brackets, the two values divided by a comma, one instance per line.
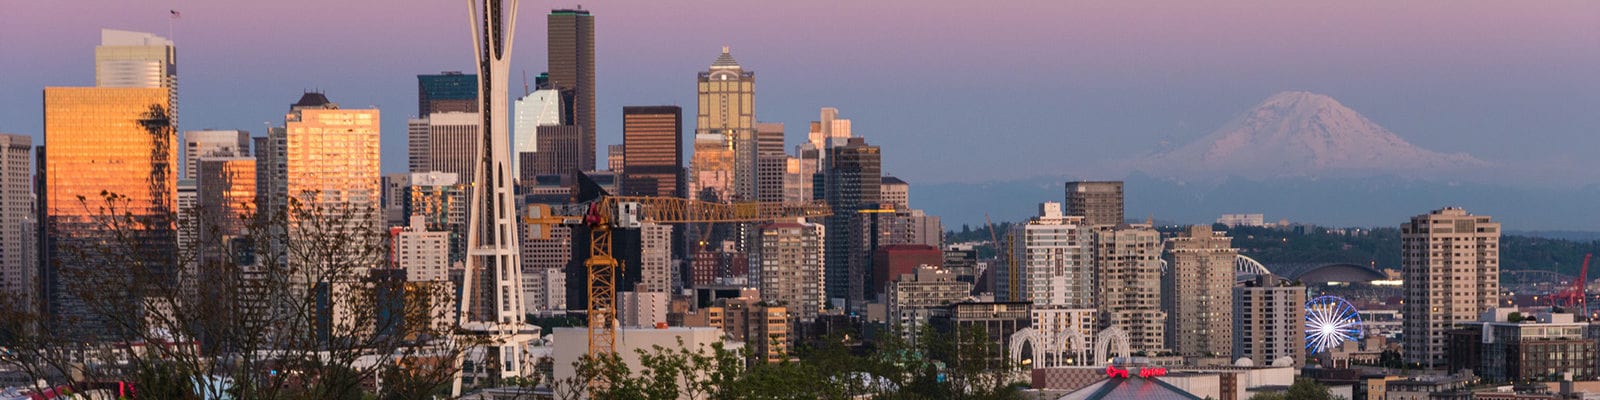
[1127, 261]
[449, 91]
[655, 259]
[1099, 203]
[1200, 277]
[88, 130]
[790, 267]
[571, 58]
[1052, 259]
[763, 327]
[1269, 320]
[850, 181]
[1450, 261]
[725, 128]
[212, 143]
[423, 254]
[330, 157]
[652, 155]
[559, 152]
[16, 215]
[327, 159]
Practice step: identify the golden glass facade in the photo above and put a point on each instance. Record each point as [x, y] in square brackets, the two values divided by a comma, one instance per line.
[104, 140]
[227, 189]
[331, 158]
[97, 143]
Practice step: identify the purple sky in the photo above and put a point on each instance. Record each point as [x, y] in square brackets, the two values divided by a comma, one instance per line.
[954, 91]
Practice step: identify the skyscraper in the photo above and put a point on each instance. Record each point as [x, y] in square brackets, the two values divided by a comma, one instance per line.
[449, 91]
[771, 162]
[571, 58]
[1200, 276]
[128, 59]
[1269, 320]
[1127, 260]
[326, 160]
[1099, 203]
[543, 107]
[329, 157]
[652, 140]
[88, 131]
[1450, 261]
[725, 121]
[227, 191]
[451, 143]
[212, 143]
[850, 184]
[16, 214]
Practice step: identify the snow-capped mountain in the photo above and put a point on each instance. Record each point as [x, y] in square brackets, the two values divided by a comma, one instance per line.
[1303, 134]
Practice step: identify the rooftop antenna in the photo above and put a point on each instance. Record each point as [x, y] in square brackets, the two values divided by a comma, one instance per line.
[525, 90]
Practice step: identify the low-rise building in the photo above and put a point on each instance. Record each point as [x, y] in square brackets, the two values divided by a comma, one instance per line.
[1502, 346]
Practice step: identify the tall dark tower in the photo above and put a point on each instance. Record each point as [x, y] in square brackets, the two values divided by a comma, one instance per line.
[571, 55]
[491, 303]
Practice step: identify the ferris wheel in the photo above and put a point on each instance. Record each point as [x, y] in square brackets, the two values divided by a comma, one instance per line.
[1330, 321]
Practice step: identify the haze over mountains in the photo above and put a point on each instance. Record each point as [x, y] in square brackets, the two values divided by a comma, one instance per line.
[1299, 156]
[1303, 135]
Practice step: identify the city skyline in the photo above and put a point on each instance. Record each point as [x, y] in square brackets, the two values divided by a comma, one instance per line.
[1072, 84]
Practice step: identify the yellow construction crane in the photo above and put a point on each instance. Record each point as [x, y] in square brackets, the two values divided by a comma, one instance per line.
[605, 214]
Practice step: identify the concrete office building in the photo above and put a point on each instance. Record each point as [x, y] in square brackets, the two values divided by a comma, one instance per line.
[771, 162]
[1200, 300]
[17, 231]
[570, 49]
[896, 194]
[1269, 320]
[912, 297]
[1450, 261]
[1127, 261]
[212, 143]
[1099, 203]
[449, 143]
